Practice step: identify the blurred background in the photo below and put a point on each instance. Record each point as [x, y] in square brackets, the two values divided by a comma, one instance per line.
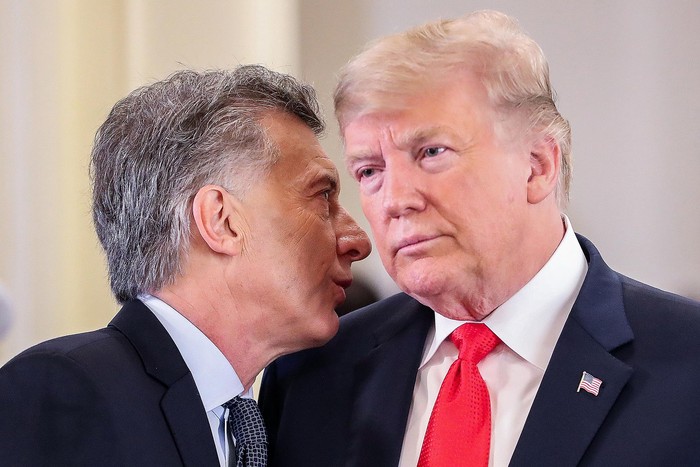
[627, 73]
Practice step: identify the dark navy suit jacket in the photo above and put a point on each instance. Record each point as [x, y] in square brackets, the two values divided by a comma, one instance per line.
[121, 395]
[347, 403]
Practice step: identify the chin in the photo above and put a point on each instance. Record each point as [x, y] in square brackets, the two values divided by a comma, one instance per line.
[421, 283]
[323, 330]
[331, 328]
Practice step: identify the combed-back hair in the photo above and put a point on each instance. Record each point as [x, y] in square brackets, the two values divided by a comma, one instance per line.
[162, 143]
[510, 64]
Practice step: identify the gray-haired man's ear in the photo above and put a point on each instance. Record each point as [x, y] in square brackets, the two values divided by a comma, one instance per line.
[217, 216]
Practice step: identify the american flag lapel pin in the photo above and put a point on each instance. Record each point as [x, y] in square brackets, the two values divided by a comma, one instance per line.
[589, 383]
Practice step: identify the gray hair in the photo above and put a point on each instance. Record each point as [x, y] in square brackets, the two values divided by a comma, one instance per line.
[511, 65]
[162, 143]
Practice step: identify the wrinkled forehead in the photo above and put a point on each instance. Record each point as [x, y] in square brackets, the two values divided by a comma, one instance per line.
[381, 96]
[454, 107]
[392, 92]
[386, 97]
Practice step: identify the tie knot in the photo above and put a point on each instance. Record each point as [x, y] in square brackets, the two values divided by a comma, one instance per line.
[474, 341]
[246, 421]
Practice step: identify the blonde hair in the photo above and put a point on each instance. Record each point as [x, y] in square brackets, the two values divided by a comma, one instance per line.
[510, 64]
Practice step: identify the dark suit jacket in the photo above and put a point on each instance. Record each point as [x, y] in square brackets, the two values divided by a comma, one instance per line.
[121, 395]
[346, 404]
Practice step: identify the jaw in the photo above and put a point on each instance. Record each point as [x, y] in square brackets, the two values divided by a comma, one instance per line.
[447, 289]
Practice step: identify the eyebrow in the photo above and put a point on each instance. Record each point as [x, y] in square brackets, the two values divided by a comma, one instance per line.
[324, 177]
[362, 154]
[408, 139]
[420, 135]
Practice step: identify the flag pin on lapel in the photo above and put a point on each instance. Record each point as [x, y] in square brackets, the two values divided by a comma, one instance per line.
[589, 383]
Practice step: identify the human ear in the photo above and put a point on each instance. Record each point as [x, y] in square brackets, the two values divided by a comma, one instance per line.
[216, 214]
[545, 161]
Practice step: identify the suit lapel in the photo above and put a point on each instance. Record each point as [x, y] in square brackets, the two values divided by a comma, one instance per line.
[181, 404]
[188, 423]
[384, 382]
[562, 422]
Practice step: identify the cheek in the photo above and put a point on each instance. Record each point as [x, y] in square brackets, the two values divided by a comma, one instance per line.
[379, 228]
[315, 242]
[373, 213]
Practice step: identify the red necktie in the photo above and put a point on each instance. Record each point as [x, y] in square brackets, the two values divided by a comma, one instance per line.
[459, 430]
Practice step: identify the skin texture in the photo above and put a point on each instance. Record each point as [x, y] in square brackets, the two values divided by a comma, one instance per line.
[460, 198]
[266, 272]
[299, 237]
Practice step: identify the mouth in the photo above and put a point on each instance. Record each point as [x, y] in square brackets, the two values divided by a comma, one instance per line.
[340, 294]
[413, 241]
[344, 283]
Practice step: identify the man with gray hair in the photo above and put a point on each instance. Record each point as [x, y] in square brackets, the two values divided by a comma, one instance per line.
[219, 214]
[513, 342]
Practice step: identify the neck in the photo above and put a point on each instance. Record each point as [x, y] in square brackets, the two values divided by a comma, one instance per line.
[229, 328]
[537, 245]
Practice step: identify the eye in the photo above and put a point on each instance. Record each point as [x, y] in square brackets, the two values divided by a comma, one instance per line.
[434, 151]
[329, 192]
[365, 173]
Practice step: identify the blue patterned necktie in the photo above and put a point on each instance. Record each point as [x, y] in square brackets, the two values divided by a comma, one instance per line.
[247, 427]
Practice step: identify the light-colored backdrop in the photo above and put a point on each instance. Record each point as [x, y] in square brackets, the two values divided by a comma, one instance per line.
[627, 74]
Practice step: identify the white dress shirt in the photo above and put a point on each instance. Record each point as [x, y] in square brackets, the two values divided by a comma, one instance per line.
[213, 375]
[528, 324]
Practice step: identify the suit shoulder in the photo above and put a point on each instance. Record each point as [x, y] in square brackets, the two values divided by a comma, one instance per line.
[358, 332]
[51, 371]
[658, 317]
[376, 322]
[73, 346]
[57, 382]
[385, 310]
[644, 296]
[99, 356]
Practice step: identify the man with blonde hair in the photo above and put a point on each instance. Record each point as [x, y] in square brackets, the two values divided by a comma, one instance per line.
[513, 342]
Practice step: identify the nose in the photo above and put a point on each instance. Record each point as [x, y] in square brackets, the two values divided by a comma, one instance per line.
[400, 190]
[352, 242]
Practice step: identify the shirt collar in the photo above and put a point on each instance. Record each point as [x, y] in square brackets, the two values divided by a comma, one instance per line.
[530, 321]
[215, 378]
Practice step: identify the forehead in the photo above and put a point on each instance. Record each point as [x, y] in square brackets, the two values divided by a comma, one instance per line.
[443, 106]
[301, 157]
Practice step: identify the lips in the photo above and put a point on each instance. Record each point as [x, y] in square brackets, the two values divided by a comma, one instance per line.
[340, 295]
[344, 283]
[410, 241]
